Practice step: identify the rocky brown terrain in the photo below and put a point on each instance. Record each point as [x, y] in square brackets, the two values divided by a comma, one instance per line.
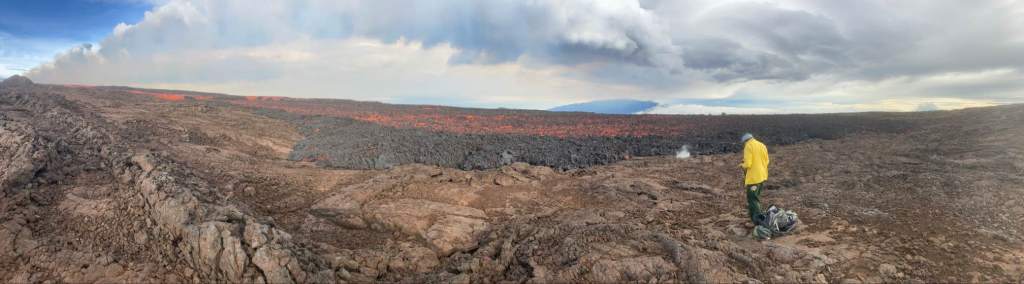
[110, 184]
[369, 135]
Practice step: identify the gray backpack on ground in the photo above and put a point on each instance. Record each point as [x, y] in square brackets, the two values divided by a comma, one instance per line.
[776, 222]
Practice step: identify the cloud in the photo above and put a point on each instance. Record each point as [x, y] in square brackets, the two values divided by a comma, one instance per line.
[355, 68]
[703, 109]
[568, 32]
[764, 41]
[565, 32]
[791, 55]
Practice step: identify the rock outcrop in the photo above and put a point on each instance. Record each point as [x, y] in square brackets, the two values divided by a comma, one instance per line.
[49, 146]
[220, 242]
[16, 81]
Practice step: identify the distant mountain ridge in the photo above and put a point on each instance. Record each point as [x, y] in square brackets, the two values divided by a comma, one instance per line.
[623, 106]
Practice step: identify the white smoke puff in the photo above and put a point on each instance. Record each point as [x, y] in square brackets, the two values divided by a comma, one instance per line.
[683, 153]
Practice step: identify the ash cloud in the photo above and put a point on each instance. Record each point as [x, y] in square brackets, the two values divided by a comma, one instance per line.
[642, 49]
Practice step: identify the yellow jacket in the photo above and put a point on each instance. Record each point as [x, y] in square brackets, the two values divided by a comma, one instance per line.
[755, 161]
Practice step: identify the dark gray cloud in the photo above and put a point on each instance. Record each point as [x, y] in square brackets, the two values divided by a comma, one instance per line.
[763, 41]
[909, 38]
[726, 60]
[792, 40]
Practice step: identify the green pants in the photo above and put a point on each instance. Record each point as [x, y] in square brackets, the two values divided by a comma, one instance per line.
[754, 201]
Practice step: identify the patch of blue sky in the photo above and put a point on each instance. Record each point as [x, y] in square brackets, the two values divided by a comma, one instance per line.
[18, 55]
[33, 32]
[79, 20]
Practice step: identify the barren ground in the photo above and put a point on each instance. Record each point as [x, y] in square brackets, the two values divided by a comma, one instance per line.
[105, 187]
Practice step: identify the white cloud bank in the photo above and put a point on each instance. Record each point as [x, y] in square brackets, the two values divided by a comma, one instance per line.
[788, 56]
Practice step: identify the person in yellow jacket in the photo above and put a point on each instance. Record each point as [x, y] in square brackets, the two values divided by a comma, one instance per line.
[755, 164]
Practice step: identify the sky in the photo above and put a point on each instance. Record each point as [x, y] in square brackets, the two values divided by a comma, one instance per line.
[33, 32]
[699, 56]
